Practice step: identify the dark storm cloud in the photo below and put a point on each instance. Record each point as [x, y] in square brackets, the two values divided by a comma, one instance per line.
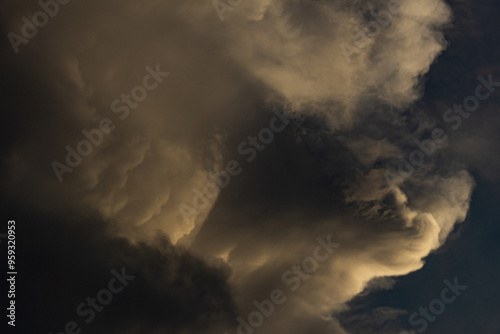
[63, 263]
[262, 233]
[324, 175]
[472, 52]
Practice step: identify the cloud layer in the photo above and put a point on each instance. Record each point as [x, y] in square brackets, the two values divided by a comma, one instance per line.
[324, 175]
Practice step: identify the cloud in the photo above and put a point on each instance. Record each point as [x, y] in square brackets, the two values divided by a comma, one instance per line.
[172, 289]
[324, 175]
[294, 47]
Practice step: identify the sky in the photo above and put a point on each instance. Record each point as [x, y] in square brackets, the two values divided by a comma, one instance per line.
[250, 166]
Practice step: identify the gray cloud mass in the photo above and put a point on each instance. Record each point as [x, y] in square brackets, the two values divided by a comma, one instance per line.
[323, 175]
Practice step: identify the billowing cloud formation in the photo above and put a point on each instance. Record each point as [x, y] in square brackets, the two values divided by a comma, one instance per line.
[166, 287]
[295, 47]
[325, 175]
